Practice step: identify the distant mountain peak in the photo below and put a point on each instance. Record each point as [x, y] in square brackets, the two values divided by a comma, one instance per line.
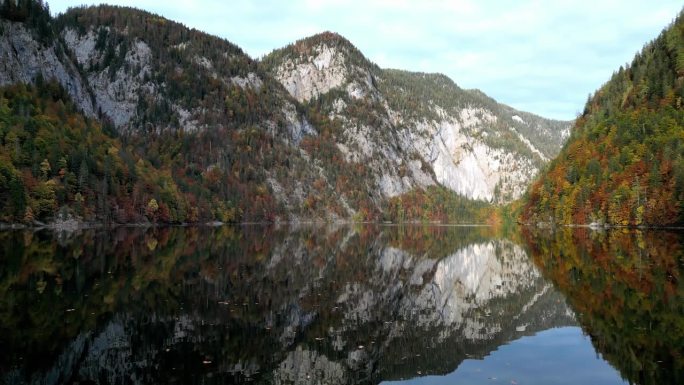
[390, 117]
[327, 38]
[313, 66]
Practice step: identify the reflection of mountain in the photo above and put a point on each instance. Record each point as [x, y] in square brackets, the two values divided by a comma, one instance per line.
[270, 306]
[477, 299]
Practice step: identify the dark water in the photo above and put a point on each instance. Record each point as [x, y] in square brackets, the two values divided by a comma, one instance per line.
[329, 305]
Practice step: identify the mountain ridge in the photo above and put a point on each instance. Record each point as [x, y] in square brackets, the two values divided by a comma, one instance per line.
[252, 140]
[424, 112]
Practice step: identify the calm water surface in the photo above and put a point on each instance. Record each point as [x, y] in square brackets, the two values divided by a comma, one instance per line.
[337, 305]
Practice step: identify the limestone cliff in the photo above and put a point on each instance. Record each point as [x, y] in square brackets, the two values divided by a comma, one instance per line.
[400, 122]
[23, 59]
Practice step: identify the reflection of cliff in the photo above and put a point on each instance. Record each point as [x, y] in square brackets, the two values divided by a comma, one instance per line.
[478, 298]
[628, 290]
[330, 305]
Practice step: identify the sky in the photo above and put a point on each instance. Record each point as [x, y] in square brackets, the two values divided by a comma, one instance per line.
[544, 57]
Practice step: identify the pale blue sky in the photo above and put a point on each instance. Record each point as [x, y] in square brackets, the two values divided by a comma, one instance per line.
[539, 56]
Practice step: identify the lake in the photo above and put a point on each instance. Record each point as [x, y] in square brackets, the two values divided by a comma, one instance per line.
[342, 304]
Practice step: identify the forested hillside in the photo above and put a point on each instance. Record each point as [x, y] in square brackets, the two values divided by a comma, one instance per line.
[55, 160]
[117, 114]
[624, 161]
[222, 141]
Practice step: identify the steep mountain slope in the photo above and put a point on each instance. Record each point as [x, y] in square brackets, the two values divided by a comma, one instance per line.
[232, 139]
[414, 129]
[223, 135]
[53, 159]
[144, 69]
[624, 163]
[29, 49]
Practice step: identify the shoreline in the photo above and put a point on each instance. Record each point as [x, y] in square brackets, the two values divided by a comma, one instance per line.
[73, 225]
[94, 225]
[599, 227]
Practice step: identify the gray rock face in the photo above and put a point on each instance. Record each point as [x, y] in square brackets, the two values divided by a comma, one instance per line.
[472, 147]
[116, 96]
[118, 91]
[23, 58]
[313, 76]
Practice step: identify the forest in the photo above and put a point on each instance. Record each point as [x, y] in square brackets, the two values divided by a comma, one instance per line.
[55, 161]
[624, 161]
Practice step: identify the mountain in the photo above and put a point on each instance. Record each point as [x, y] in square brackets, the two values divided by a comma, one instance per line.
[415, 129]
[624, 161]
[203, 132]
[30, 48]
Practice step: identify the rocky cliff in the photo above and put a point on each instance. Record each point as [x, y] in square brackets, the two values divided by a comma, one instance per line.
[23, 59]
[314, 130]
[417, 129]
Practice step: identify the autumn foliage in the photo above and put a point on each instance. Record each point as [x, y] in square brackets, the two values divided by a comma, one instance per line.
[439, 204]
[54, 161]
[624, 163]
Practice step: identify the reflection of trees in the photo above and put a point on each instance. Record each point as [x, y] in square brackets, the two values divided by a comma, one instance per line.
[254, 302]
[626, 287]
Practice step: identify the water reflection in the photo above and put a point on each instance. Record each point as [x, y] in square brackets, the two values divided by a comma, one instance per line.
[282, 305]
[627, 289]
[559, 356]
